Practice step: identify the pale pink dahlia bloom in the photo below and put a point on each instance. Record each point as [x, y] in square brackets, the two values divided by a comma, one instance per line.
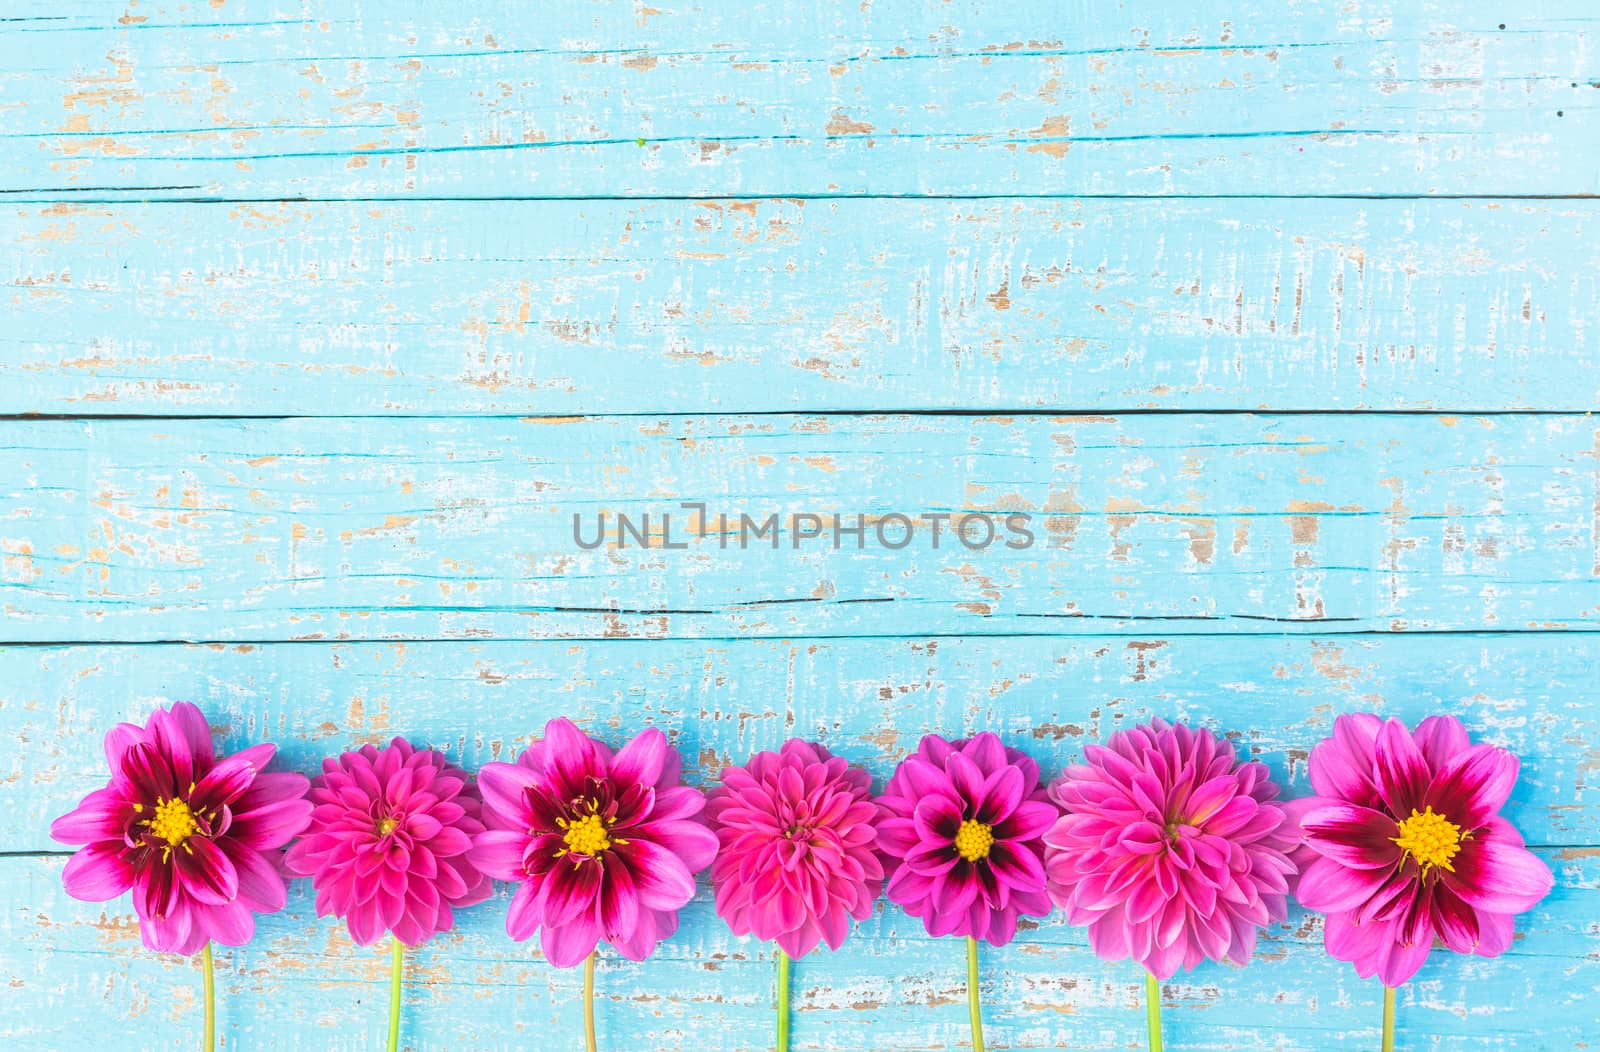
[199, 840]
[601, 846]
[387, 847]
[1170, 851]
[962, 836]
[1412, 845]
[798, 856]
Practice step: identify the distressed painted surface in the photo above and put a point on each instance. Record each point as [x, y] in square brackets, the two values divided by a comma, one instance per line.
[868, 699]
[274, 100]
[746, 332]
[604, 306]
[353, 529]
[302, 985]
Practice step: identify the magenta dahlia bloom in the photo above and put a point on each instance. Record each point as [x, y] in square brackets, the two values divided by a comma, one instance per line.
[797, 854]
[1412, 845]
[1169, 850]
[199, 840]
[962, 837]
[387, 847]
[602, 846]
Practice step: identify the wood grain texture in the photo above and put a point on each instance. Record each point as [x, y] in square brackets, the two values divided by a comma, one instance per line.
[628, 307]
[267, 100]
[301, 984]
[892, 988]
[370, 529]
[870, 700]
[494, 264]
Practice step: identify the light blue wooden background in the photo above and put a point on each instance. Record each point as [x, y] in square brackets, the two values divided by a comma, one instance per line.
[321, 320]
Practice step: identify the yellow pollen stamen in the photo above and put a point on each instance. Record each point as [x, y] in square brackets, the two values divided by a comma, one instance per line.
[587, 836]
[387, 826]
[173, 822]
[1429, 838]
[973, 840]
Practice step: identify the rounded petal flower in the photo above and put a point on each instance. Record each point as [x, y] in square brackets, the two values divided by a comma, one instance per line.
[197, 839]
[388, 846]
[1169, 850]
[962, 834]
[603, 847]
[1410, 846]
[797, 858]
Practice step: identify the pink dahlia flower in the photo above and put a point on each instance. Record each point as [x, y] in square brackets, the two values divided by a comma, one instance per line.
[1170, 851]
[798, 856]
[962, 835]
[197, 839]
[602, 846]
[1412, 845]
[387, 848]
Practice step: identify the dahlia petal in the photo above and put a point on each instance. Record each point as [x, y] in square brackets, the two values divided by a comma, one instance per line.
[1403, 774]
[228, 780]
[1454, 920]
[522, 918]
[101, 815]
[271, 825]
[499, 853]
[1496, 931]
[149, 772]
[1496, 876]
[1031, 820]
[230, 923]
[172, 934]
[676, 803]
[619, 903]
[1440, 738]
[566, 945]
[1357, 837]
[570, 891]
[650, 929]
[660, 877]
[97, 873]
[504, 787]
[118, 740]
[260, 885]
[986, 751]
[1342, 765]
[640, 761]
[1401, 962]
[1329, 886]
[205, 872]
[570, 756]
[1474, 785]
[1001, 794]
[1016, 866]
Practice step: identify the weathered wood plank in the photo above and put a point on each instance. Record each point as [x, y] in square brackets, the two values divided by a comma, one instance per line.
[904, 97]
[868, 699]
[301, 984]
[337, 528]
[625, 307]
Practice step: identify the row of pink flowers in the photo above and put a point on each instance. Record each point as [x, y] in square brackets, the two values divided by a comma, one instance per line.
[1166, 846]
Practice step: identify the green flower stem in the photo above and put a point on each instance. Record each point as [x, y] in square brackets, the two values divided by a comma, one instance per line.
[397, 967]
[1152, 1010]
[208, 974]
[1388, 1019]
[974, 1009]
[588, 1003]
[783, 1001]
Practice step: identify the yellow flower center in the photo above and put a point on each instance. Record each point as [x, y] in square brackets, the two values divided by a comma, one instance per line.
[973, 840]
[1429, 838]
[388, 825]
[173, 822]
[587, 836]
